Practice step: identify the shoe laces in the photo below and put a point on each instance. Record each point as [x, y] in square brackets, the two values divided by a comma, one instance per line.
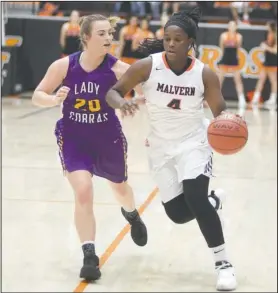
[223, 265]
[136, 219]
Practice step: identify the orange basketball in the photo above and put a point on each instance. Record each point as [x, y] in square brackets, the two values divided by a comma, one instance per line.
[227, 134]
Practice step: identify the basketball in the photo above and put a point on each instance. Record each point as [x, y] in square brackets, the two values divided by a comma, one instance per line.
[227, 134]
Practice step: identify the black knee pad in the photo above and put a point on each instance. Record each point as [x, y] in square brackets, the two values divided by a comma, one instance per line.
[196, 197]
[177, 210]
[196, 194]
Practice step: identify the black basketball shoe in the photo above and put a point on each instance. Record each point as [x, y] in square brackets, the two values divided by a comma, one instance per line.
[90, 270]
[139, 232]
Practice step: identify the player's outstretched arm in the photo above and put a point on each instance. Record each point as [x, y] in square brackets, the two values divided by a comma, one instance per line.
[212, 92]
[136, 74]
[120, 69]
[53, 78]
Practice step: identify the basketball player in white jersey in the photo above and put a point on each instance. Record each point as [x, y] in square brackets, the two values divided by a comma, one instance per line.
[175, 86]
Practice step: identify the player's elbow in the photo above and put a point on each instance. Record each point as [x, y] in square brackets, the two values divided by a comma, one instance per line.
[36, 99]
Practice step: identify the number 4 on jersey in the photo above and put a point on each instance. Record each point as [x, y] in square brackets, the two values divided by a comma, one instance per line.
[175, 104]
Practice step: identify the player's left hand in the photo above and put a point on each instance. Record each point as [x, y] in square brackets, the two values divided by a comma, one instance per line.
[129, 107]
[236, 115]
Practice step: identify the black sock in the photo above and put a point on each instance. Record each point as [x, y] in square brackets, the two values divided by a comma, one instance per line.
[88, 248]
[130, 215]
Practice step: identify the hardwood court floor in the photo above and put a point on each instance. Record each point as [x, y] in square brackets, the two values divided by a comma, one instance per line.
[41, 251]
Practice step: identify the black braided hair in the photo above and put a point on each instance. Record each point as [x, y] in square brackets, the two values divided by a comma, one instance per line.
[186, 19]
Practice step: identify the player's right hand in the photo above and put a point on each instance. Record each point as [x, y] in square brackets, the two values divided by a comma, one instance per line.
[61, 94]
[129, 107]
[236, 116]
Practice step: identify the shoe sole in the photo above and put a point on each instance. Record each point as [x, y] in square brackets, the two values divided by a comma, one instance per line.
[225, 289]
[90, 273]
[142, 241]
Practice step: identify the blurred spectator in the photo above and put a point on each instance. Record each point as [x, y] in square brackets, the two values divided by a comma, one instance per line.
[136, 8]
[170, 7]
[269, 69]
[50, 9]
[125, 52]
[241, 7]
[160, 32]
[155, 9]
[126, 34]
[69, 35]
[175, 7]
[187, 4]
[273, 8]
[142, 33]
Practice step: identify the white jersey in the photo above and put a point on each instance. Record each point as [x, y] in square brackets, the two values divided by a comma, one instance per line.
[174, 103]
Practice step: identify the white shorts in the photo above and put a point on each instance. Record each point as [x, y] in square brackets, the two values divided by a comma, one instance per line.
[171, 162]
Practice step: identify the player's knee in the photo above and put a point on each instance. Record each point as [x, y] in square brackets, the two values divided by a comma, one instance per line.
[121, 189]
[177, 211]
[84, 194]
[177, 218]
[196, 194]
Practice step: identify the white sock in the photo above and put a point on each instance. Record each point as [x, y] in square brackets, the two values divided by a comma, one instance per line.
[241, 97]
[256, 97]
[88, 242]
[273, 97]
[128, 210]
[219, 253]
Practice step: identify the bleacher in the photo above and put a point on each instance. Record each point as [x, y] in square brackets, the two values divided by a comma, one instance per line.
[213, 11]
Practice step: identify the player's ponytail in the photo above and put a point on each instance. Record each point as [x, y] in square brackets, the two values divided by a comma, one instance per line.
[151, 46]
[195, 14]
[186, 19]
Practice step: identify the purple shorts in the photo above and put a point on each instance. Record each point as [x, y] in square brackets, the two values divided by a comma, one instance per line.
[107, 159]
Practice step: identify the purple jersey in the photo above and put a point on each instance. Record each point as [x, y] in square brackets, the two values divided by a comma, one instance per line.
[85, 111]
[89, 134]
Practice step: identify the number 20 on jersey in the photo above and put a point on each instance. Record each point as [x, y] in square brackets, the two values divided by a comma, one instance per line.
[87, 105]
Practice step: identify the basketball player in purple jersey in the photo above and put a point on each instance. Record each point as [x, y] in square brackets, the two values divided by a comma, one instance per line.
[89, 134]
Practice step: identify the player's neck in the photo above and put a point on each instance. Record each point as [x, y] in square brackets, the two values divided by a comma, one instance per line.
[177, 65]
[89, 61]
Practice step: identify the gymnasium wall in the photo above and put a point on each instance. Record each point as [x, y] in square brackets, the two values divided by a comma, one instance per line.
[34, 44]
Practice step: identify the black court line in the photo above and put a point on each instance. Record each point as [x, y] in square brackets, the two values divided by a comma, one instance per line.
[34, 113]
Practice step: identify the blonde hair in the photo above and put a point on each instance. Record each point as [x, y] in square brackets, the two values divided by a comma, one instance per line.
[85, 24]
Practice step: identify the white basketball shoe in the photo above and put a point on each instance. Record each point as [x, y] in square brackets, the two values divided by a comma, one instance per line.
[226, 278]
